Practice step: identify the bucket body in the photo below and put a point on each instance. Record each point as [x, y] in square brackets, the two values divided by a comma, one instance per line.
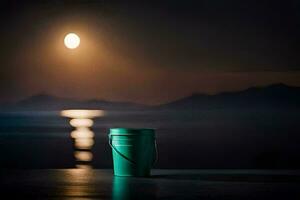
[133, 151]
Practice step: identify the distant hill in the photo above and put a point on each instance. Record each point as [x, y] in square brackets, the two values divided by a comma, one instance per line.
[48, 102]
[269, 97]
[273, 96]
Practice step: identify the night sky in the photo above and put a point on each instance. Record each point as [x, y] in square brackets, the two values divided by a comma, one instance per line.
[146, 52]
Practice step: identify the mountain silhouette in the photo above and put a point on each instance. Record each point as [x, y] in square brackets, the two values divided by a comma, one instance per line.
[279, 96]
[48, 102]
[273, 96]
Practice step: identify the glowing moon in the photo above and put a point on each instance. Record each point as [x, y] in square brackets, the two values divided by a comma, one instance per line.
[72, 41]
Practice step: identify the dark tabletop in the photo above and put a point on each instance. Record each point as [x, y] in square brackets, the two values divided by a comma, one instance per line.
[163, 184]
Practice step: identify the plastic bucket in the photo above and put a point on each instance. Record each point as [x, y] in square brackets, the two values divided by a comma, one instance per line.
[133, 151]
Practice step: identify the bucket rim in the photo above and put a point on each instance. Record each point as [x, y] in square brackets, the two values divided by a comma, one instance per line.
[131, 131]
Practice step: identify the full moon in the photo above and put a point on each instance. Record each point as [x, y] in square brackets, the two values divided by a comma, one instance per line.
[72, 41]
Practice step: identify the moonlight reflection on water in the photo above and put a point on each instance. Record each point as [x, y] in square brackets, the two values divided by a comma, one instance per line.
[83, 136]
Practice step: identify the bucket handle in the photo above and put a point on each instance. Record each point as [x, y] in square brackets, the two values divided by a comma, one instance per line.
[156, 153]
[114, 148]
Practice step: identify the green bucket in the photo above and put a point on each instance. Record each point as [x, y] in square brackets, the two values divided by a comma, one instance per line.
[134, 151]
